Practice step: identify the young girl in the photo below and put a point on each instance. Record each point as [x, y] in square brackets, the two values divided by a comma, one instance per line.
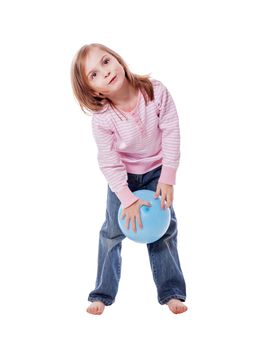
[135, 126]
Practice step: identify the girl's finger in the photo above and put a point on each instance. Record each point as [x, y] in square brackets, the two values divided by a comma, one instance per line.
[139, 221]
[157, 192]
[133, 224]
[169, 200]
[162, 201]
[127, 223]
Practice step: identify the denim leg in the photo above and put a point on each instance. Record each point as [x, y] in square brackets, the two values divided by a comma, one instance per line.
[165, 265]
[109, 254]
[163, 254]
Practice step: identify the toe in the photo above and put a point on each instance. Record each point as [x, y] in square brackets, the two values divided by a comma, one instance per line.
[176, 306]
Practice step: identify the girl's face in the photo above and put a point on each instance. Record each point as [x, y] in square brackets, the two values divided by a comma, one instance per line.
[100, 68]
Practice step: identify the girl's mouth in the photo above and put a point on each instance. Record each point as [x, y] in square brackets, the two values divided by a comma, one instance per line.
[113, 79]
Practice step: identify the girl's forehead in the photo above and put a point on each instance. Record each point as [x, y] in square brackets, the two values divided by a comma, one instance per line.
[95, 55]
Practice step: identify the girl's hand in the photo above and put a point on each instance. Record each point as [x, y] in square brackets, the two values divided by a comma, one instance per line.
[166, 194]
[133, 212]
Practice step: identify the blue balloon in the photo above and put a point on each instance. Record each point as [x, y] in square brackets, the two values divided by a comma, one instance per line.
[155, 220]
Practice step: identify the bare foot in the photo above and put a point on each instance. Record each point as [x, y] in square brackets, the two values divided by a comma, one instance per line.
[176, 306]
[96, 308]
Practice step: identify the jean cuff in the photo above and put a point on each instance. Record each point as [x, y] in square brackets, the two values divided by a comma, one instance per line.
[174, 296]
[106, 302]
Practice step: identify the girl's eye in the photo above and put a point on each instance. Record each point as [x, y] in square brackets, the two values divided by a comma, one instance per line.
[107, 59]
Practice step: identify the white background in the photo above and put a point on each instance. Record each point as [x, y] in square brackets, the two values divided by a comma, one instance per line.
[220, 61]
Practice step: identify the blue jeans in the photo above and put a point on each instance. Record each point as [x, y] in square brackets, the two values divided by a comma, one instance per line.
[163, 254]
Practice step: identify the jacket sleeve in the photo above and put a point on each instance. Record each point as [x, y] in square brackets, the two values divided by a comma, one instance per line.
[110, 163]
[169, 125]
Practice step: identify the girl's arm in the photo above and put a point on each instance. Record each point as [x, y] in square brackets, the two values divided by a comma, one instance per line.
[109, 161]
[169, 125]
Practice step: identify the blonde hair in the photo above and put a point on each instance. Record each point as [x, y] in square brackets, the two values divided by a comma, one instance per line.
[88, 99]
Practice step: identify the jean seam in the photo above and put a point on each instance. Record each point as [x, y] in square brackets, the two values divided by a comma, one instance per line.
[119, 268]
[154, 268]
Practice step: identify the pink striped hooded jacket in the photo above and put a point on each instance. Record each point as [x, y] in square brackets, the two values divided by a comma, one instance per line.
[148, 138]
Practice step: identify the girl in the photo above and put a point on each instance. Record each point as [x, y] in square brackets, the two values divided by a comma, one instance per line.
[135, 126]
